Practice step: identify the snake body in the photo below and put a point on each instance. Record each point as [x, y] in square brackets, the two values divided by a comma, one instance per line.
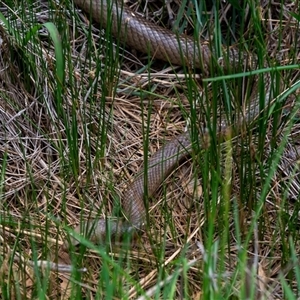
[163, 44]
[160, 165]
[145, 36]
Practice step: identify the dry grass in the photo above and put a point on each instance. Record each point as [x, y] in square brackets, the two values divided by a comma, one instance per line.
[54, 174]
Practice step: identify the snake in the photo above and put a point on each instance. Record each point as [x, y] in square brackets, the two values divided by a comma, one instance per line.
[163, 44]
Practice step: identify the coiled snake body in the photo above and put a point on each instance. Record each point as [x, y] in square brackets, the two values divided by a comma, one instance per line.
[161, 43]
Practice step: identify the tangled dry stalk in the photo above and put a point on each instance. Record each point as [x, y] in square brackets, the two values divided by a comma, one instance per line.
[39, 192]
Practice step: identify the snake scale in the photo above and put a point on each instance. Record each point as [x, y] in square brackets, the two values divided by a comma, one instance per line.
[163, 44]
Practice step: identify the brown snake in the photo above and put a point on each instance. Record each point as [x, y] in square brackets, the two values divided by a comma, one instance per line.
[161, 43]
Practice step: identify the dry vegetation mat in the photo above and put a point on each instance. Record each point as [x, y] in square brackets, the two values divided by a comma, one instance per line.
[79, 114]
